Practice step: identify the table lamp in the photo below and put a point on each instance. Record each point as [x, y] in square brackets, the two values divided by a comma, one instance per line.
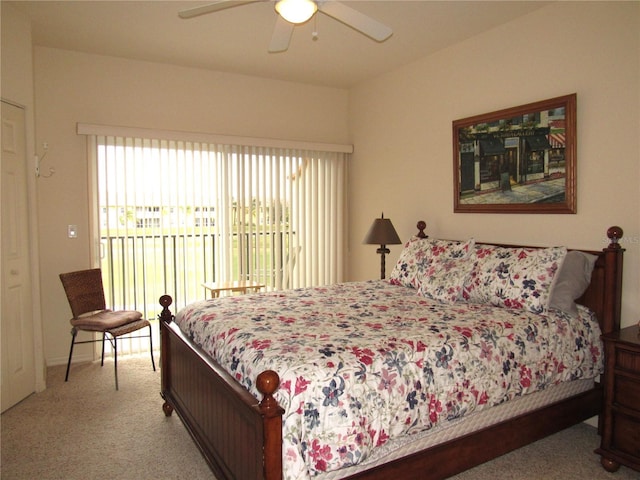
[382, 233]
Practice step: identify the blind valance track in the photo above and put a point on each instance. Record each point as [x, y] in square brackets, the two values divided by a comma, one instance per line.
[148, 133]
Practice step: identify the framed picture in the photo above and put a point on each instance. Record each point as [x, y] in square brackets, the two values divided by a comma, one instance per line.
[517, 160]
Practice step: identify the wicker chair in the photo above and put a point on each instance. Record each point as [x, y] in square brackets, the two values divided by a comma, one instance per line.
[86, 298]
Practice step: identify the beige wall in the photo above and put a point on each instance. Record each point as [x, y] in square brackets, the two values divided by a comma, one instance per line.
[401, 128]
[75, 87]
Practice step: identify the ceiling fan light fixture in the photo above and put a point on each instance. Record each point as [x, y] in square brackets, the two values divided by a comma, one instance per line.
[296, 11]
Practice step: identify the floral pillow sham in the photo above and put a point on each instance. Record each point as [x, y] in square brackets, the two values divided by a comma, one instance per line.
[519, 278]
[444, 279]
[419, 253]
[449, 271]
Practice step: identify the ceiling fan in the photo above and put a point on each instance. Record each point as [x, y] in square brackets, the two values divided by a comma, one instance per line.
[296, 12]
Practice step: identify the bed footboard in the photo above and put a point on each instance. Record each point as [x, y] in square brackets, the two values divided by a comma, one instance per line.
[238, 436]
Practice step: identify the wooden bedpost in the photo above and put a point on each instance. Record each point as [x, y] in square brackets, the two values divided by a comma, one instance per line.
[613, 281]
[165, 317]
[267, 383]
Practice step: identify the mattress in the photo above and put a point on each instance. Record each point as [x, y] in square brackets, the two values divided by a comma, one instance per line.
[442, 433]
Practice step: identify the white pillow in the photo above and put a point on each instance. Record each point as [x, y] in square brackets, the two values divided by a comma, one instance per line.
[573, 279]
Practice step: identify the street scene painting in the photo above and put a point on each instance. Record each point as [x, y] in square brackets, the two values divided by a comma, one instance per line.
[517, 160]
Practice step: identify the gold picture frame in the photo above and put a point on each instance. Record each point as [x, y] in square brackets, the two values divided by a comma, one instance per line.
[517, 160]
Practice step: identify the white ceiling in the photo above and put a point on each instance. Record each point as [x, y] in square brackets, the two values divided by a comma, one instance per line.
[236, 39]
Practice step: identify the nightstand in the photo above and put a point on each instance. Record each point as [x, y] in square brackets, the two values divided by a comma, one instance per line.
[620, 443]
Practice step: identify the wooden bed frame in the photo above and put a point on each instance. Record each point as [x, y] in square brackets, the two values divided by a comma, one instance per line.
[241, 437]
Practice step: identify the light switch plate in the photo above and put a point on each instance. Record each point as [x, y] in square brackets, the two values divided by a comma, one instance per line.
[73, 231]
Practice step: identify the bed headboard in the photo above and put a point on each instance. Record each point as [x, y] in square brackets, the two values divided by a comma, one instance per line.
[604, 293]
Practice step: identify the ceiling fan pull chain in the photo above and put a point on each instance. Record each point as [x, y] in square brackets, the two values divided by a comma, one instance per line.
[314, 34]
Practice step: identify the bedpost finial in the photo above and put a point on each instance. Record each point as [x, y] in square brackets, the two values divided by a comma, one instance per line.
[267, 383]
[614, 234]
[165, 314]
[421, 225]
[166, 300]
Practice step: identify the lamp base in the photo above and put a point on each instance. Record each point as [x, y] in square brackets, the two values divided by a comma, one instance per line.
[383, 250]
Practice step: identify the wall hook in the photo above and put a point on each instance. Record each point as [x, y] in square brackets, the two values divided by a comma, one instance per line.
[39, 161]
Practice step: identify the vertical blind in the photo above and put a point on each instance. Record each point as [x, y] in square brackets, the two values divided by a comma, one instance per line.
[170, 214]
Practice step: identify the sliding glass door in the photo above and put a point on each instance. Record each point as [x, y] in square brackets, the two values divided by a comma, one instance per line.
[171, 215]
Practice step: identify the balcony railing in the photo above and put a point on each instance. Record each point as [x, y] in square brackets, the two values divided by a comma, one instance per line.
[137, 270]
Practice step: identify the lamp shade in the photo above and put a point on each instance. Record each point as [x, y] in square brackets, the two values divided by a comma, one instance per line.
[296, 11]
[382, 233]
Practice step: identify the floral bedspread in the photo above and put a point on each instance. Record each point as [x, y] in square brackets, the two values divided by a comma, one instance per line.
[363, 362]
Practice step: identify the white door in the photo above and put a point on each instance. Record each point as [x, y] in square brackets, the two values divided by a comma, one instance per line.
[16, 323]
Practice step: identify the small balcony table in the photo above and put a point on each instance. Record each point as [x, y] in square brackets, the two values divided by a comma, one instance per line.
[239, 286]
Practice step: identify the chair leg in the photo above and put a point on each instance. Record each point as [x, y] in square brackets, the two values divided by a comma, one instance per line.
[115, 359]
[104, 336]
[153, 362]
[74, 332]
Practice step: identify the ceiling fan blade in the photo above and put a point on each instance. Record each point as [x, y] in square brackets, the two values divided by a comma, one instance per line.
[354, 19]
[281, 36]
[213, 7]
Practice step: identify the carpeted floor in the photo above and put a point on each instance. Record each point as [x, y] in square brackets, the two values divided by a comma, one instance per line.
[86, 430]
